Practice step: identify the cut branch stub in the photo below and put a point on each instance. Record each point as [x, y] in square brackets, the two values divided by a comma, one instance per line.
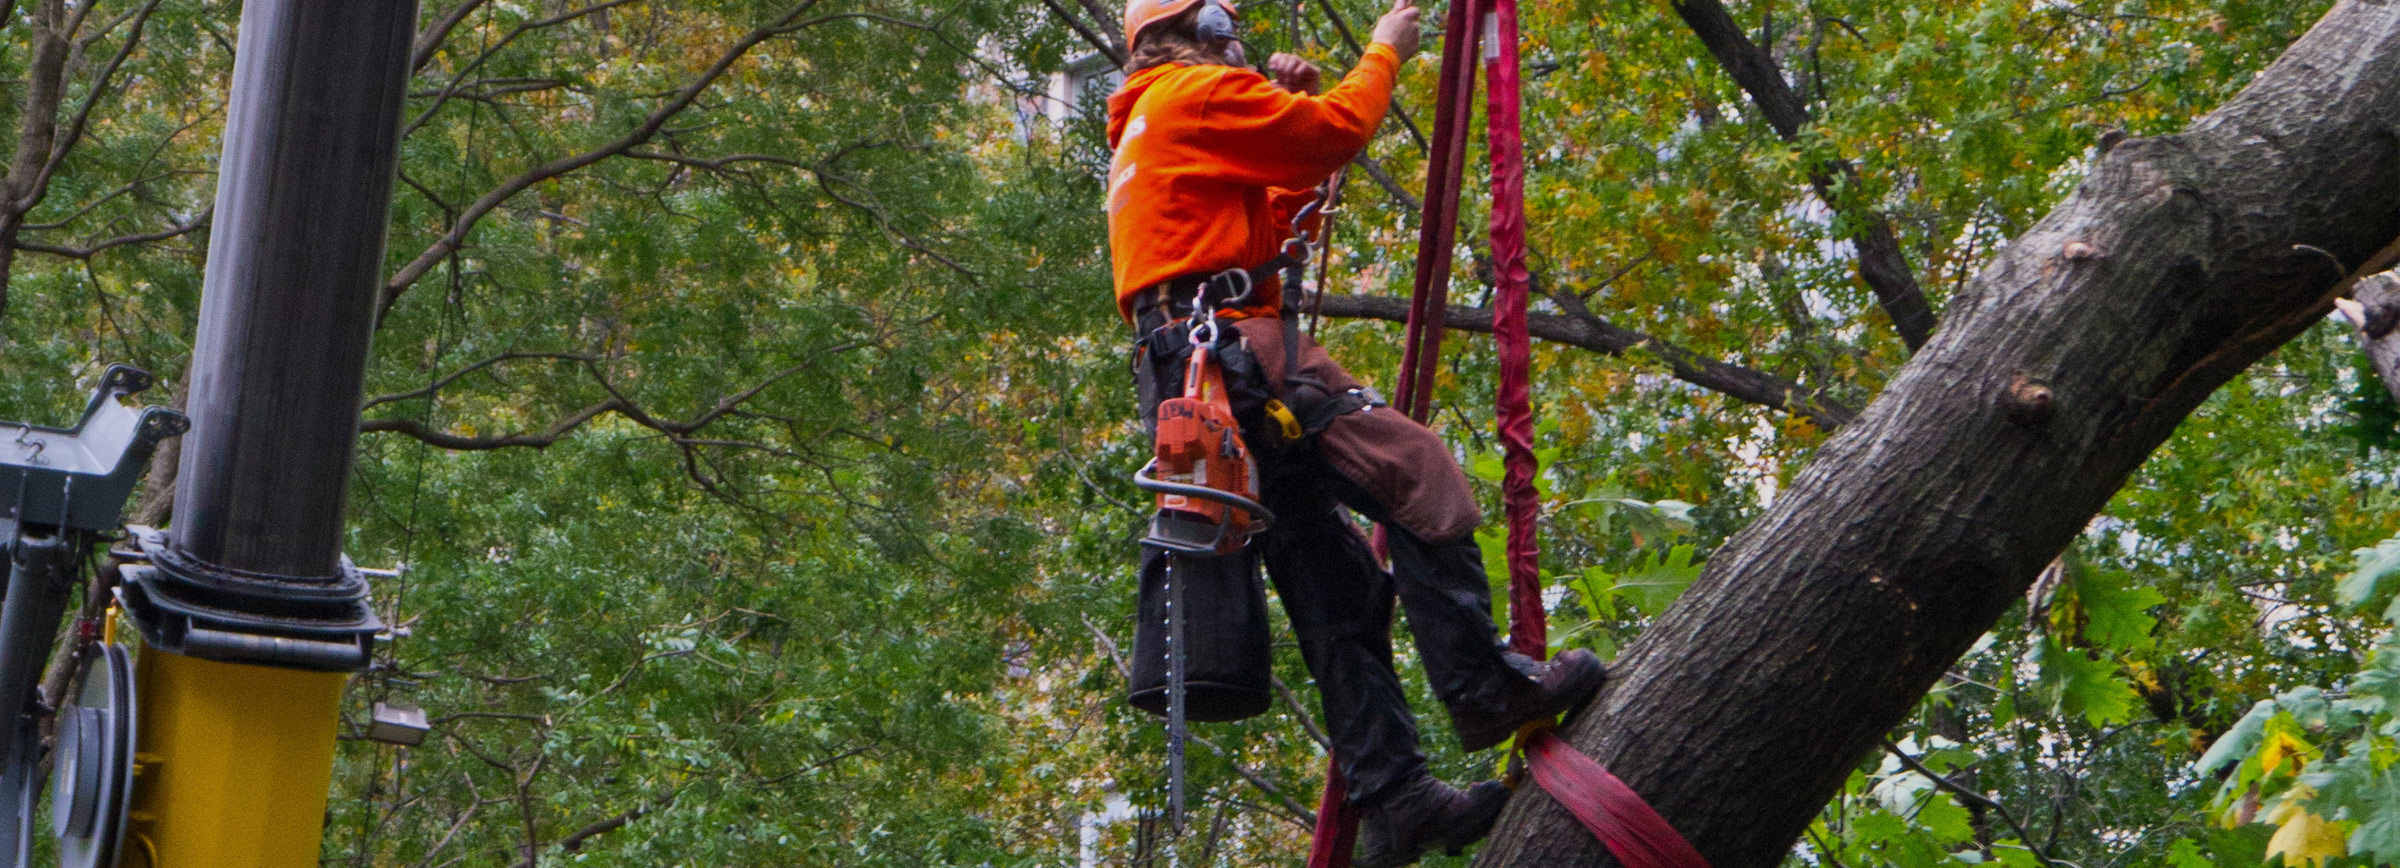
[2376, 311]
[2027, 401]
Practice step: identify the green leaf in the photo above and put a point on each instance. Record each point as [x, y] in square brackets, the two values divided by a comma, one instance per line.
[1877, 827]
[1658, 577]
[2378, 832]
[1945, 818]
[1597, 589]
[2018, 857]
[2367, 579]
[2241, 845]
[1494, 546]
[2238, 742]
[2116, 612]
[1488, 467]
[2308, 706]
[2380, 680]
[2080, 685]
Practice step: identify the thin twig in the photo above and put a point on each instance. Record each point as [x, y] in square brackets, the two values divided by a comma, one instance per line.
[1962, 792]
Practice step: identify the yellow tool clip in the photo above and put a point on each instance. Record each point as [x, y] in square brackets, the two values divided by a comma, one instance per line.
[1284, 419]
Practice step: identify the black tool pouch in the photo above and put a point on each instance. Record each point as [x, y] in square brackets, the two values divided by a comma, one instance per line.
[1228, 655]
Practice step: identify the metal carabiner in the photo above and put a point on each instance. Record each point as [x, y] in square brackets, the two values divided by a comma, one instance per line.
[1315, 207]
[1204, 322]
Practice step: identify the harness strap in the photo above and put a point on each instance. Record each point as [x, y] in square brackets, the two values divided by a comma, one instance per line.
[1315, 403]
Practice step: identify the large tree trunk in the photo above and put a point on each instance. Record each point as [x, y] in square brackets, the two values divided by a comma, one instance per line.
[2179, 262]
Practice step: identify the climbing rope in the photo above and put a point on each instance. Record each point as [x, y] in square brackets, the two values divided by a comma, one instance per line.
[1605, 805]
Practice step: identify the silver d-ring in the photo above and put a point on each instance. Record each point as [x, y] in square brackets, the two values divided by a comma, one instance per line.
[1239, 276]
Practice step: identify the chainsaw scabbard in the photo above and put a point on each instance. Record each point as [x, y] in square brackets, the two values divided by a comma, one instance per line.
[1228, 656]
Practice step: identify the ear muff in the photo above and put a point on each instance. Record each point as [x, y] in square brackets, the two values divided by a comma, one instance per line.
[1215, 23]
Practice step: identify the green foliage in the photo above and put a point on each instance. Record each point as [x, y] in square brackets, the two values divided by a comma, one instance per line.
[2325, 757]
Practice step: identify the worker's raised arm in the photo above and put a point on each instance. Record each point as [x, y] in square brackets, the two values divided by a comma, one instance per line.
[1276, 134]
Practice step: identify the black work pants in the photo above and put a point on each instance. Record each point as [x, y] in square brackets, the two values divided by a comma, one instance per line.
[1393, 471]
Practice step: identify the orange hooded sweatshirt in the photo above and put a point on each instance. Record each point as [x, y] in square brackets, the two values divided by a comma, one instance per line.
[1213, 161]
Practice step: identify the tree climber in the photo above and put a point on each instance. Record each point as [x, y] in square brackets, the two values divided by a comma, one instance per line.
[1213, 162]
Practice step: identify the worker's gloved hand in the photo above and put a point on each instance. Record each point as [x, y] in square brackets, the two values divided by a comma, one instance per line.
[1398, 28]
[1293, 73]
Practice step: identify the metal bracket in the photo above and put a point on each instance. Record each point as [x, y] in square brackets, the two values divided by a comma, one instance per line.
[201, 610]
[79, 477]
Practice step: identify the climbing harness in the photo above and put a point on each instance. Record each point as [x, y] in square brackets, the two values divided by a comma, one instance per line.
[1313, 404]
[1611, 810]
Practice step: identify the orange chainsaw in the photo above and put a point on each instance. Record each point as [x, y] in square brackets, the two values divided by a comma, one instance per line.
[1204, 477]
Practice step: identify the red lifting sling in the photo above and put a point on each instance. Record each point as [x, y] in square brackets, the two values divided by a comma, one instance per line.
[1613, 812]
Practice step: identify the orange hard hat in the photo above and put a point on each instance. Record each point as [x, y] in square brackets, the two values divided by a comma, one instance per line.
[1141, 14]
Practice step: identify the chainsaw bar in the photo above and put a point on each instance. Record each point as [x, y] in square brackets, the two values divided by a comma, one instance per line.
[1178, 724]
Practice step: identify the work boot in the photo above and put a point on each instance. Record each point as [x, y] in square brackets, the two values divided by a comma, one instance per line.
[1426, 814]
[1563, 684]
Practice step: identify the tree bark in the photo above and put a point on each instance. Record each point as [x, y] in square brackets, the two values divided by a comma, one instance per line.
[2070, 358]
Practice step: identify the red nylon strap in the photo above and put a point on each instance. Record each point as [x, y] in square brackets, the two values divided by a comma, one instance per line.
[1528, 625]
[1437, 230]
[1614, 813]
[1337, 827]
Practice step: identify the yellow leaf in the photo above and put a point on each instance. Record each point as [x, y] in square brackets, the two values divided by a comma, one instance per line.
[2307, 839]
[2282, 746]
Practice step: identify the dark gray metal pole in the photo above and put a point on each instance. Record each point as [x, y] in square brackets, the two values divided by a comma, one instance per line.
[295, 260]
[252, 569]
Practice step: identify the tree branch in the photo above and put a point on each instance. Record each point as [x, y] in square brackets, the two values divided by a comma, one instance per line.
[1881, 264]
[1593, 333]
[1970, 795]
[95, 249]
[2063, 366]
[574, 841]
[2375, 310]
[1293, 812]
[1109, 23]
[430, 41]
[1384, 179]
[91, 99]
[463, 443]
[1399, 112]
[1107, 47]
[489, 52]
[683, 98]
[444, 381]
[617, 402]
